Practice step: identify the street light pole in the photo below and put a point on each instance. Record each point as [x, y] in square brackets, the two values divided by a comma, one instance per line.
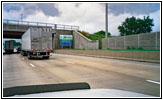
[106, 31]
[21, 17]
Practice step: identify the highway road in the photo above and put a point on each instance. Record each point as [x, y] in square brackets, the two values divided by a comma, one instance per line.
[140, 77]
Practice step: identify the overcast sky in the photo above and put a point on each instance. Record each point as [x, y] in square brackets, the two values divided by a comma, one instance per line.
[89, 17]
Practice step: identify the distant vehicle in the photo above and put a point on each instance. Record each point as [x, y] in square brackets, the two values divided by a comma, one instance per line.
[9, 46]
[37, 42]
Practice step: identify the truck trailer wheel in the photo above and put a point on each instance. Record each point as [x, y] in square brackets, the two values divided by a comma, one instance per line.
[47, 57]
[22, 53]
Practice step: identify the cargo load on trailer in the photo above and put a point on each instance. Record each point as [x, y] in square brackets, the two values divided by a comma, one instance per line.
[9, 46]
[37, 42]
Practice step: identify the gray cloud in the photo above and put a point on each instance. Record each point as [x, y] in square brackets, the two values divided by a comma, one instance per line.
[115, 8]
[30, 8]
[133, 8]
[11, 6]
[48, 9]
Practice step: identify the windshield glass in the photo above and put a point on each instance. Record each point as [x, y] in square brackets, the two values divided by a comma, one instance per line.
[109, 45]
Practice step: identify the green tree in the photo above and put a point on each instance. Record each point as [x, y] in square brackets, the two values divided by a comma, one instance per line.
[136, 26]
[98, 36]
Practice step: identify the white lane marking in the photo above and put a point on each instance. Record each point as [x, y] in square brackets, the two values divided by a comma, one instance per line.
[32, 65]
[153, 81]
[70, 62]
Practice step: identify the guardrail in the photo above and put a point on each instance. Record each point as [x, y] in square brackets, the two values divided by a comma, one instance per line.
[29, 23]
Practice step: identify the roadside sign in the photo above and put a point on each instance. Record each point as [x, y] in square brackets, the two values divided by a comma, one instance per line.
[65, 40]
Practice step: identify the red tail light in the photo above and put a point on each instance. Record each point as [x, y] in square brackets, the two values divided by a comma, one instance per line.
[34, 50]
[49, 50]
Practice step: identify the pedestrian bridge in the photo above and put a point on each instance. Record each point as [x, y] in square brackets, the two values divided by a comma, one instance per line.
[15, 28]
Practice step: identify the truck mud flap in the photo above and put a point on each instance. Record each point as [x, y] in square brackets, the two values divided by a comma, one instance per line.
[21, 90]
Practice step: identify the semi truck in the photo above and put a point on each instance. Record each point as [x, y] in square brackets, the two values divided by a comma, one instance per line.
[9, 46]
[37, 42]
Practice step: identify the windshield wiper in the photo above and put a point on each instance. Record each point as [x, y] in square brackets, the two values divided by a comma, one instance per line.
[21, 90]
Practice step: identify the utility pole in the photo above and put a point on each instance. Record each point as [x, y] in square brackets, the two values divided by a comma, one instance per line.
[21, 17]
[106, 21]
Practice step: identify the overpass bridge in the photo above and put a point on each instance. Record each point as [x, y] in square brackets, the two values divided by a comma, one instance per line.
[15, 28]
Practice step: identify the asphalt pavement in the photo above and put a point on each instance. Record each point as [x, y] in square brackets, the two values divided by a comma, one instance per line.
[99, 73]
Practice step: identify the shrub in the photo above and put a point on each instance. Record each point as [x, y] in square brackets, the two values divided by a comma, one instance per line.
[133, 47]
[128, 47]
[140, 48]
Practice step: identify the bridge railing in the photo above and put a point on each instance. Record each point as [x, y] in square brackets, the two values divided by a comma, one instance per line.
[29, 23]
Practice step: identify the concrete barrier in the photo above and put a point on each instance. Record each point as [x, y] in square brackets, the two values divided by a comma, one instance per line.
[147, 56]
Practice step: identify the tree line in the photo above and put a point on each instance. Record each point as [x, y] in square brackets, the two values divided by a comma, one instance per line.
[130, 26]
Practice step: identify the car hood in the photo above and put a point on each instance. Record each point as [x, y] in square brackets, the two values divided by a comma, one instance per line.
[87, 93]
